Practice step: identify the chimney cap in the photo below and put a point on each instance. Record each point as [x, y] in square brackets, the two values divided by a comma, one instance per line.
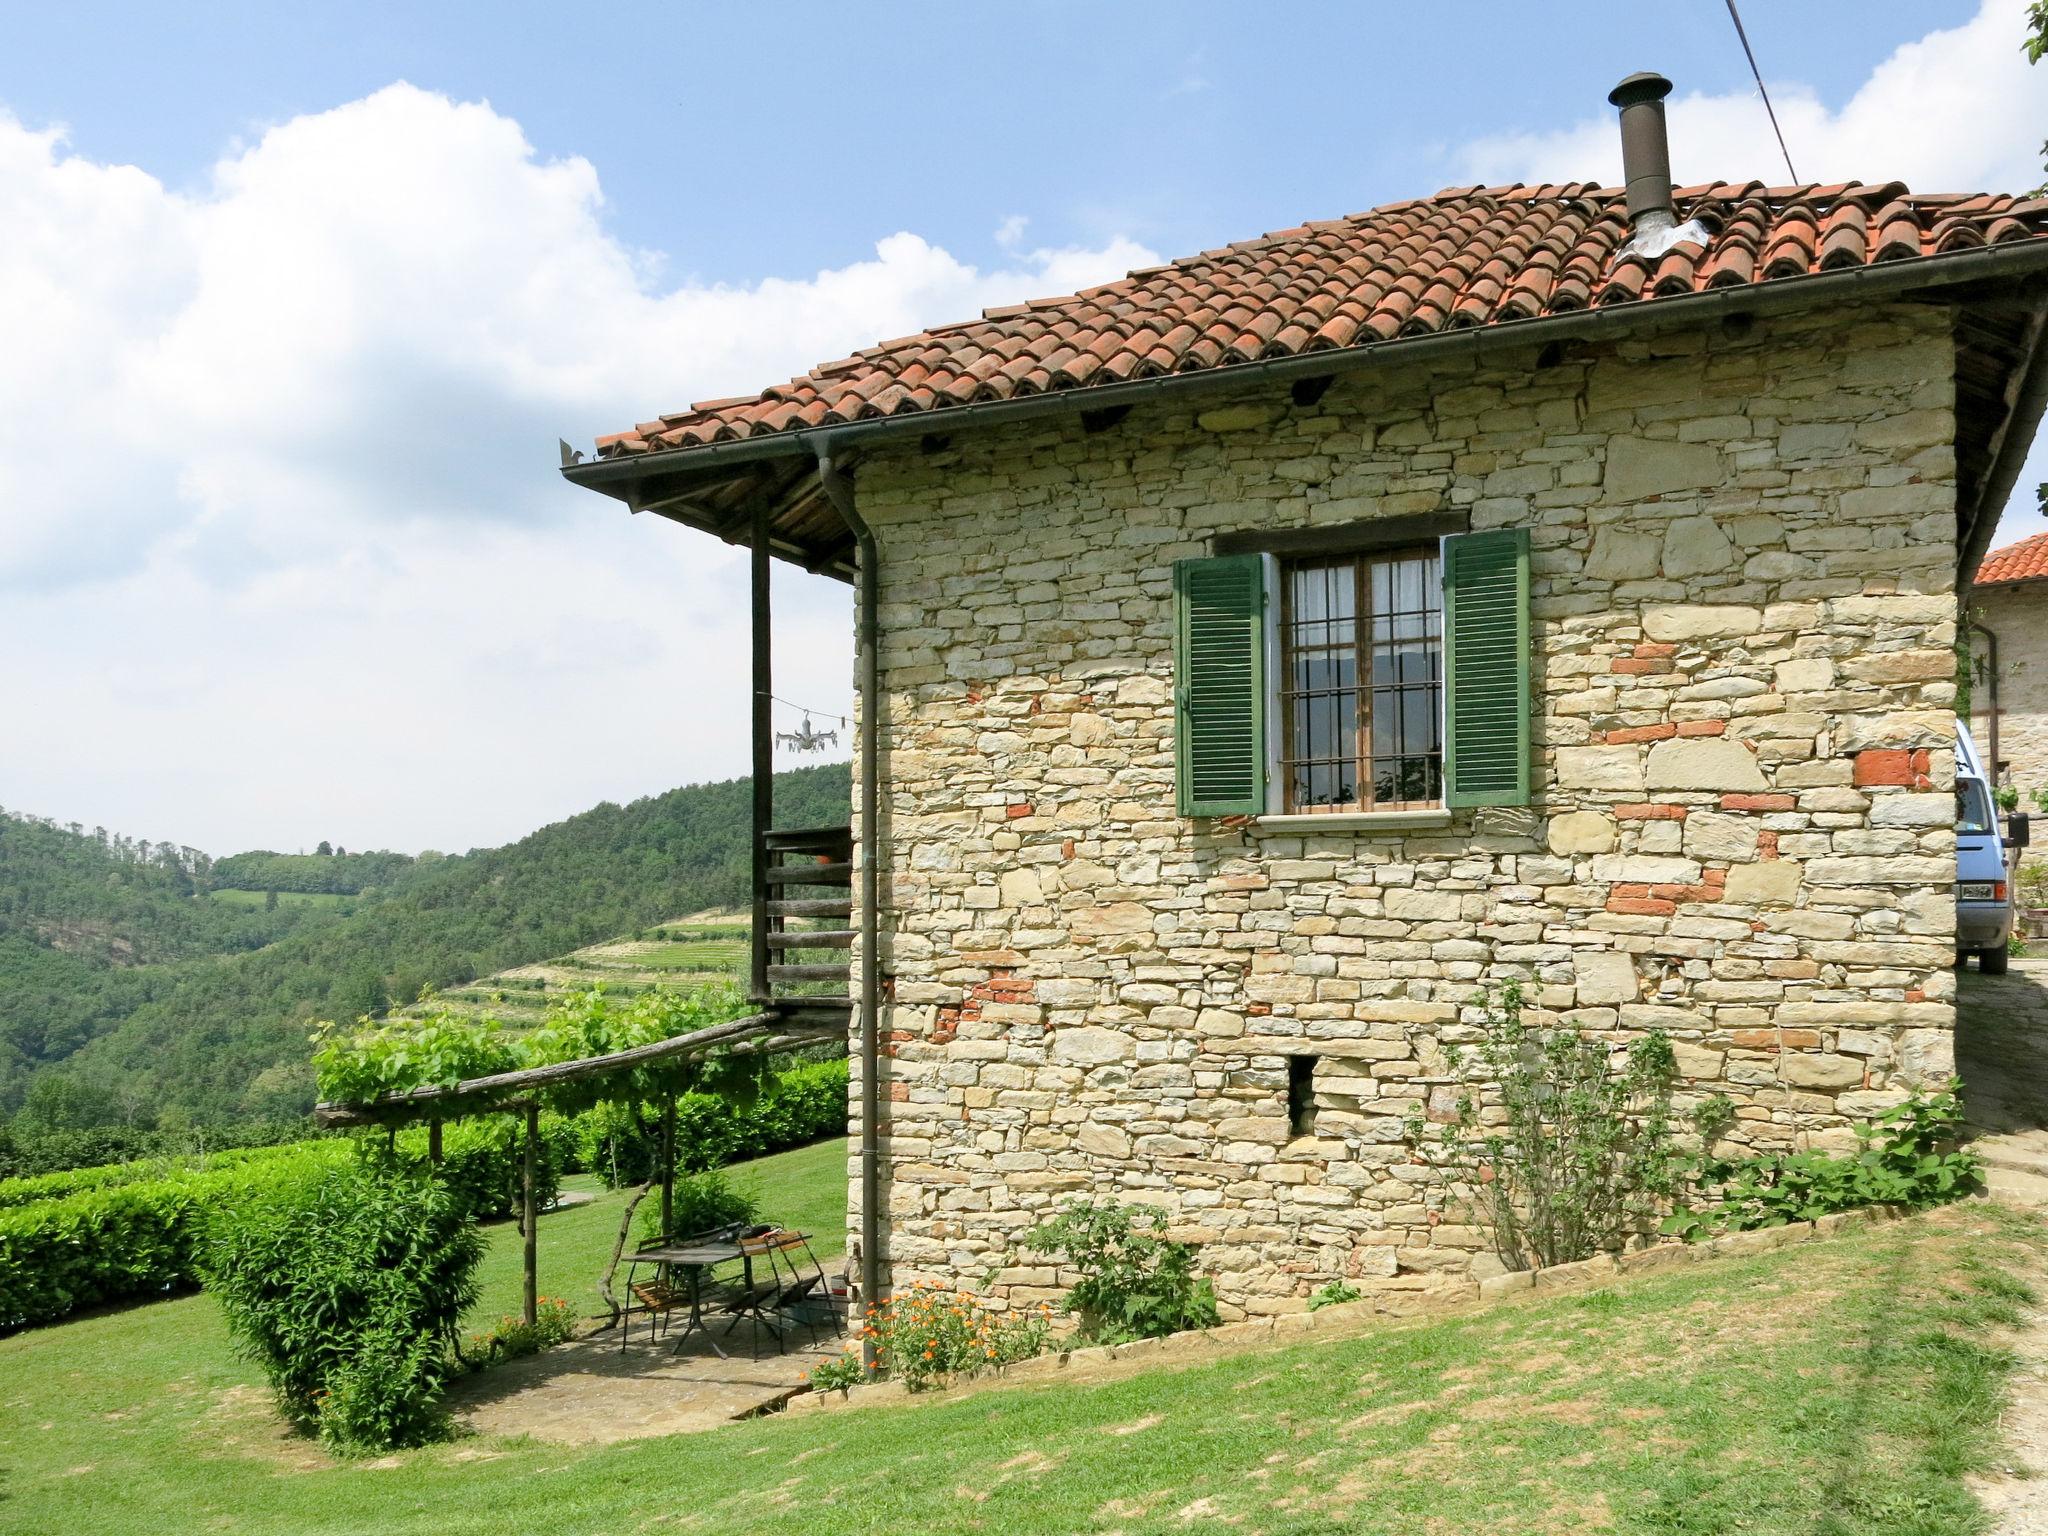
[1643, 86]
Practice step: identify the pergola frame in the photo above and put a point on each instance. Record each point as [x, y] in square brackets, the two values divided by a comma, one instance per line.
[520, 1092]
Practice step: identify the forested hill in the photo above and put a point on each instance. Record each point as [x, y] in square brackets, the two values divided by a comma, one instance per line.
[121, 901]
[224, 1036]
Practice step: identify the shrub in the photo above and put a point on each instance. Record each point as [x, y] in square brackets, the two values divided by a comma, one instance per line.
[1136, 1282]
[702, 1201]
[1910, 1156]
[346, 1287]
[554, 1322]
[1577, 1154]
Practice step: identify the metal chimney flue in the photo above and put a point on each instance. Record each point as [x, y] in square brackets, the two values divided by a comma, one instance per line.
[1646, 166]
[1645, 150]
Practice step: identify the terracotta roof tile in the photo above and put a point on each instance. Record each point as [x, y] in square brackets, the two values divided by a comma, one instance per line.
[2024, 561]
[1468, 257]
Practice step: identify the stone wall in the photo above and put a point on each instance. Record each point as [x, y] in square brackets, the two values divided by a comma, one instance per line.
[1743, 609]
[2018, 615]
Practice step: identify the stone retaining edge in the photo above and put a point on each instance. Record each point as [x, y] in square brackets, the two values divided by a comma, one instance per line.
[1354, 1317]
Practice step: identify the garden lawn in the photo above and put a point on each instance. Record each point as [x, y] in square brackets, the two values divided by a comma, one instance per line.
[1842, 1386]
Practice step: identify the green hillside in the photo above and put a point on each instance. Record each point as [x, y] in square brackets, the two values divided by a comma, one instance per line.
[219, 1035]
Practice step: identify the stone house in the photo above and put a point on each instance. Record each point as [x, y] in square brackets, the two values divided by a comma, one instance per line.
[2008, 618]
[1262, 653]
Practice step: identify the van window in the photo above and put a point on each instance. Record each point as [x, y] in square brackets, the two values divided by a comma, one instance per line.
[1973, 807]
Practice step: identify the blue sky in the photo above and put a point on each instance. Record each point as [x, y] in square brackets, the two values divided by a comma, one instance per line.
[298, 298]
[746, 140]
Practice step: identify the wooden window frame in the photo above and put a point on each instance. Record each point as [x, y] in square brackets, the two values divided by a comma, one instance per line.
[1358, 559]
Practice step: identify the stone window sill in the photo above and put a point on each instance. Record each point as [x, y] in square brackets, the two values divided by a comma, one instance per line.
[1359, 821]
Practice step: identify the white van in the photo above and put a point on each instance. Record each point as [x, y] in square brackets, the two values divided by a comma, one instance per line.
[1983, 889]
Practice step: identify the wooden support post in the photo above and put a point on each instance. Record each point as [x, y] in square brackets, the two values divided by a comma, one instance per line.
[528, 1213]
[668, 1165]
[764, 749]
[434, 1141]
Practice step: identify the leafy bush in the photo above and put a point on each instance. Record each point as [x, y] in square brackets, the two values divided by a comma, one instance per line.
[1575, 1156]
[1136, 1282]
[385, 1393]
[130, 1240]
[1910, 1156]
[702, 1201]
[346, 1287]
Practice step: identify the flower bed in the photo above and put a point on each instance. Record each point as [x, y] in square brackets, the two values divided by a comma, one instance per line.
[930, 1335]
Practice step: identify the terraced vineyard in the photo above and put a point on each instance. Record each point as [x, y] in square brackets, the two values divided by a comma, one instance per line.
[684, 953]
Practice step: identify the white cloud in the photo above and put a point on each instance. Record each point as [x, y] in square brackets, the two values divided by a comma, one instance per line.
[1959, 110]
[283, 554]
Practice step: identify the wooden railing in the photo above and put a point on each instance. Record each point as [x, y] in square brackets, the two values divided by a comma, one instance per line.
[803, 933]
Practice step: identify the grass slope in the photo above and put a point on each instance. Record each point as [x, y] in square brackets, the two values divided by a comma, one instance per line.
[1839, 1387]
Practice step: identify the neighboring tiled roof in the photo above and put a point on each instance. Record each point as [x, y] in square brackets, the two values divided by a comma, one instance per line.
[2024, 561]
[1470, 256]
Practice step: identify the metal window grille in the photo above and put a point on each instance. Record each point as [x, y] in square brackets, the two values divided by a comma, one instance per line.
[1362, 683]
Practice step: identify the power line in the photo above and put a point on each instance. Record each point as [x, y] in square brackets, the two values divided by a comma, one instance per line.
[822, 714]
[1757, 75]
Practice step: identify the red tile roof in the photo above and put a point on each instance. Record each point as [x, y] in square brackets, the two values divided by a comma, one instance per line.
[1470, 256]
[2024, 561]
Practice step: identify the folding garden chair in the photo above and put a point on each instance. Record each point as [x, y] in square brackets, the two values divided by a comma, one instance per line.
[803, 1294]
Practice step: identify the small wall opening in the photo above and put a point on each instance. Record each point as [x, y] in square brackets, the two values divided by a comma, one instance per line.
[1301, 1095]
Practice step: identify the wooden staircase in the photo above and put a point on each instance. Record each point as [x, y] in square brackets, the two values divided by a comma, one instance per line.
[803, 934]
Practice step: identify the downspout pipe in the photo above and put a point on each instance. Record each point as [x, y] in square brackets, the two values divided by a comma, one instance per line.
[838, 488]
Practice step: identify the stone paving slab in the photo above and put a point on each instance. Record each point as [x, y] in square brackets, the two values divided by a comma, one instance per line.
[591, 1392]
[2002, 1058]
[2002, 1047]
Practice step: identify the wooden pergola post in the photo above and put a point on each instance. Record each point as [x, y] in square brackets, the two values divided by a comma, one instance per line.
[529, 1213]
[434, 1141]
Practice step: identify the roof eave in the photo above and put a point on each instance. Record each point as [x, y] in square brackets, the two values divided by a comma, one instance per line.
[2014, 259]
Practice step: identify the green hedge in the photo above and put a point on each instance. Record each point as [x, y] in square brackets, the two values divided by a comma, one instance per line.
[133, 1230]
[805, 1103]
[127, 1240]
[77, 1181]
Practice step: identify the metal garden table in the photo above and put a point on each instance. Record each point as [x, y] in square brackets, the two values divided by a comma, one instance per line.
[694, 1259]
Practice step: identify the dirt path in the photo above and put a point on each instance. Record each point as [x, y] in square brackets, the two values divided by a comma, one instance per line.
[2016, 1496]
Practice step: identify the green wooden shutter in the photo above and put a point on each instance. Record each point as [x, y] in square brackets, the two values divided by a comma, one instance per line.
[1486, 668]
[1219, 664]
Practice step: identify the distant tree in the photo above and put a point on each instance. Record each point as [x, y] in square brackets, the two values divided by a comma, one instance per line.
[270, 899]
[58, 1101]
[325, 850]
